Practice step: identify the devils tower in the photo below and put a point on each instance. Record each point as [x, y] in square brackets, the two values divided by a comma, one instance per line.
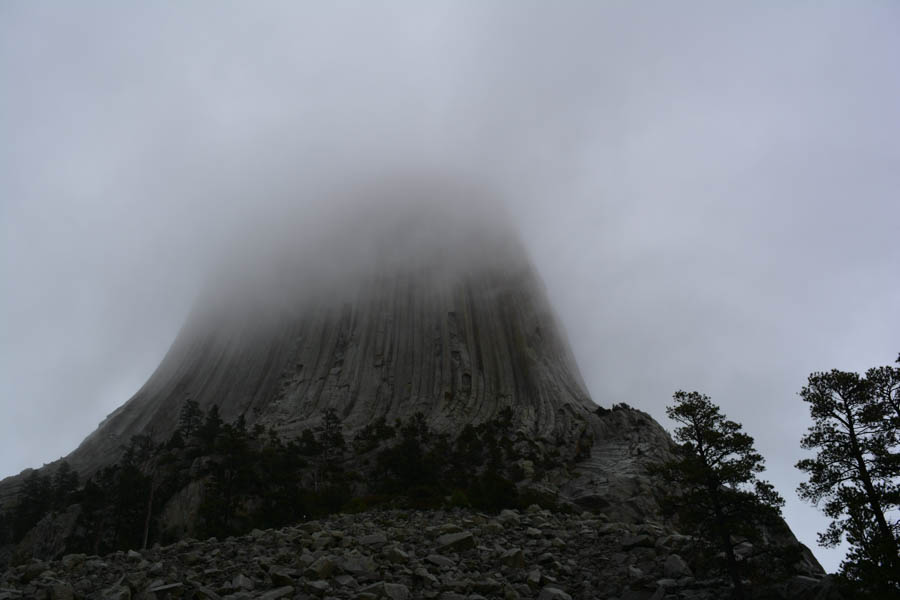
[418, 299]
[420, 308]
[439, 311]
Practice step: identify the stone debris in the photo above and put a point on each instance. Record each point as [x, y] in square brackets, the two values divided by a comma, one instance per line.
[402, 555]
[675, 567]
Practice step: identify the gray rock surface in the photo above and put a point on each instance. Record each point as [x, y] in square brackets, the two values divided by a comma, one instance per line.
[595, 561]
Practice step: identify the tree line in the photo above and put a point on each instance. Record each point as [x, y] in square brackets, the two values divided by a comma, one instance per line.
[250, 477]
[714, 489]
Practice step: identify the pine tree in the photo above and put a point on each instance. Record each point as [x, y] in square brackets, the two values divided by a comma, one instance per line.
[211, 426]
[330, 438]
[715, 490]
[65, 483]
[5, 528]
[190, 418]
[308, 445]
[34, 501]
[856, 471]
[140, 449]
[372, 435]
[405, 464]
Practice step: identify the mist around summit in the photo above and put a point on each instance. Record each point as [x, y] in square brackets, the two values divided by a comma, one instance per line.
[429, 225]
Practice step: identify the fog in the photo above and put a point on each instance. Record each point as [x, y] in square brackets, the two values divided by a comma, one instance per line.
[434, 223]
[708, 191]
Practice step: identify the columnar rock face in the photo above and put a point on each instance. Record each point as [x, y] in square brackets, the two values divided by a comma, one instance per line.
[457, 331]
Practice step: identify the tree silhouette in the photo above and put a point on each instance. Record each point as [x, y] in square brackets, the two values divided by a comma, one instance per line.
[6, 533]
[713, 481]
[330, 439]
[190, 418]
[408, 462]
[231, 481]
[856, 469]
[331, 436]
[65, 483]
[372, 435]
[212, 423]
[35, 499]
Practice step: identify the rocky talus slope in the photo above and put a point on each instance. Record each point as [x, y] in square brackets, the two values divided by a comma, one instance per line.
[451, 555]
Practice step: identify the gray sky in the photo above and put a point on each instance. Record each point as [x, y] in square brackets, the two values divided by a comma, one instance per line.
[709, 191]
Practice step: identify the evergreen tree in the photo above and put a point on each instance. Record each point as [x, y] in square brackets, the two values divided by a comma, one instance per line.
[34, 501]
[331, 436]
[65, 483]
[190, 418]
[232, 479]
[211, 426]
[5, 528]
[241, 424]
[176, 441]
[406, 463]
[713, 481]
[128, 492]
[855, 470]
[95, 515]
[468, 455]
[282, 500]
[372, 435]
[140, 449]
[308, 445]
[885, 390]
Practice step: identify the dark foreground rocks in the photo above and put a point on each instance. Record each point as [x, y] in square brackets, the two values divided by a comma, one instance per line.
[400, 555]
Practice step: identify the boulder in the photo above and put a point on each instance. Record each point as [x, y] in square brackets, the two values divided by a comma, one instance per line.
[514, 557]
[456, 542]
[242, 582]
[277, 593]
[322, 568]
[440, 560]
[62, 591]
[357, 564]
[375, 539]
[509, 517]
[675, 567]
[396, 591]
[553, 593]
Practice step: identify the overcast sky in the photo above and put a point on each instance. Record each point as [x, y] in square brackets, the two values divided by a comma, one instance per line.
[709, 191]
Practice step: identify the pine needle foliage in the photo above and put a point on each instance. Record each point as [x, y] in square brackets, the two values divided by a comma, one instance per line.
[713, 489]
[855, 475]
